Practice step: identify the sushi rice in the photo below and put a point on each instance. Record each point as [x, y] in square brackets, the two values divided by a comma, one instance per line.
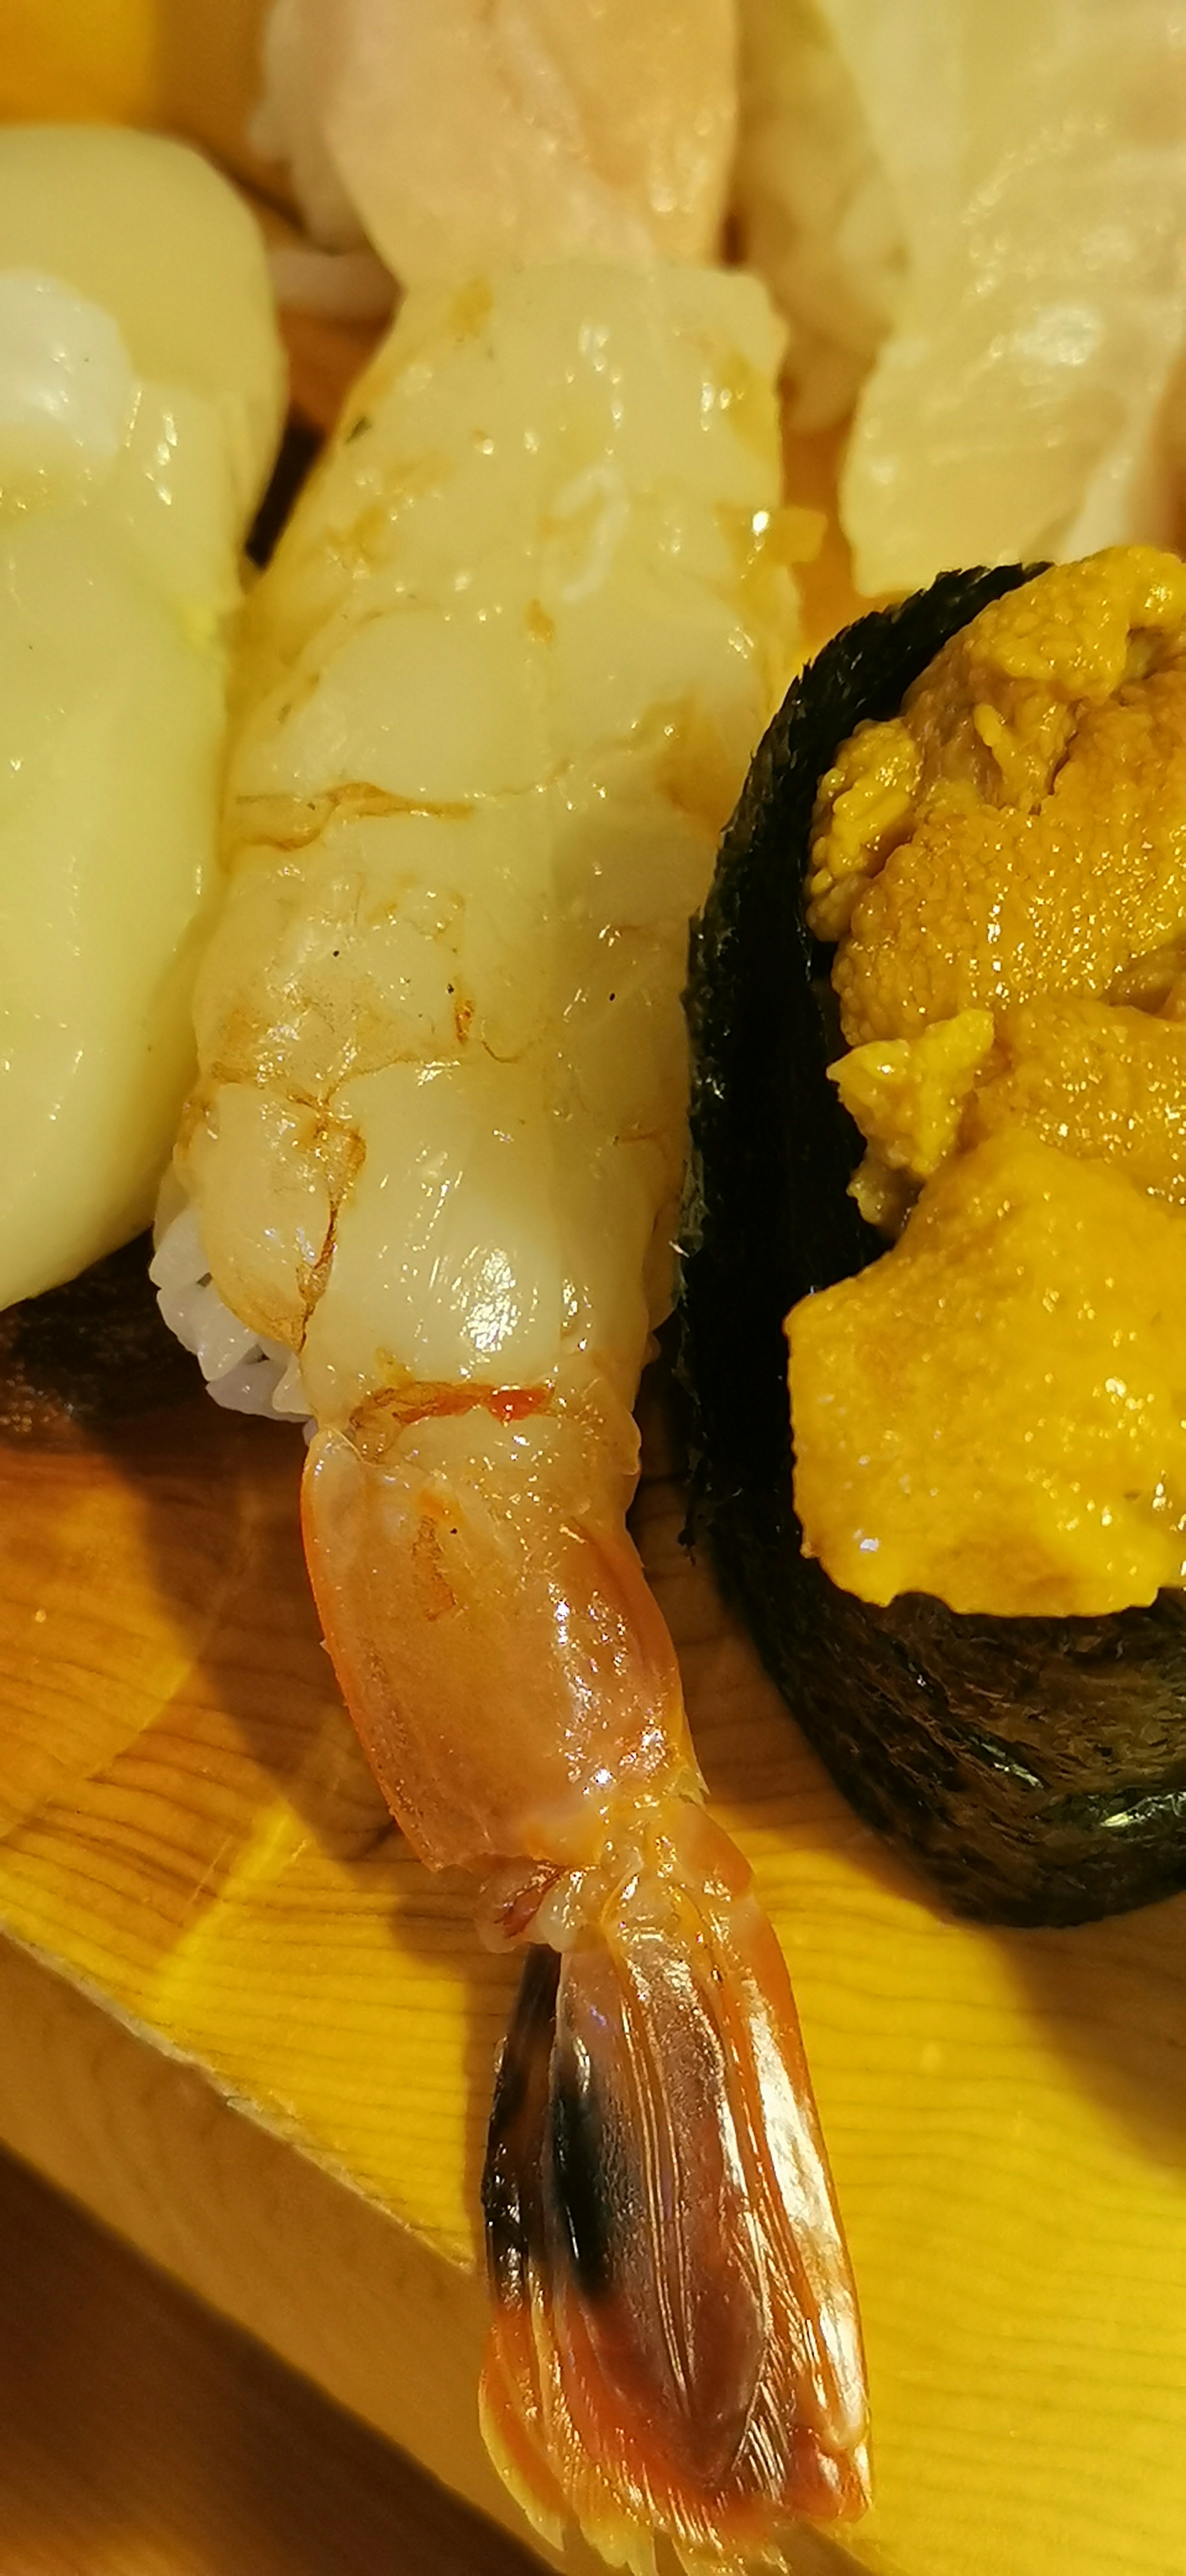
[244, 1371]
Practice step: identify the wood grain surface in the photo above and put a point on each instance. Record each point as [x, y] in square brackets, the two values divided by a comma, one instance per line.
[140, 2436]
[260, 2039]
[190, 1833]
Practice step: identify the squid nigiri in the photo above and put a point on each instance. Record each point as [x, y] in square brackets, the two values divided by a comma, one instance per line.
[140, 400]
[500, 688]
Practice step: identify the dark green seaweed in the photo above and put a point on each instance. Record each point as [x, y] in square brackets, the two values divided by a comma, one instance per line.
[1035, 1767]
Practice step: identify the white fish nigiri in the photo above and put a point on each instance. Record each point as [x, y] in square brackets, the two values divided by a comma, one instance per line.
[462, 134]
[986, 208]
[141, 388]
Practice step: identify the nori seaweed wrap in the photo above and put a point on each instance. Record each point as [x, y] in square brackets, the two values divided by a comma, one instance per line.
[1036, 1767]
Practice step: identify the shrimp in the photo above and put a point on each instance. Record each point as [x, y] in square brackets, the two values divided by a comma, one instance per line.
[500, 688]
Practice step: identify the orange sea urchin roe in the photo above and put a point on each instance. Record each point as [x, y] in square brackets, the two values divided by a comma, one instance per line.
[995, 1412]
[1021, 828]
[1100, 1083]
[1004, 868]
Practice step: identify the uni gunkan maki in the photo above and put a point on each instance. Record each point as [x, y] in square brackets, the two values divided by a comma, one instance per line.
[938, 1016]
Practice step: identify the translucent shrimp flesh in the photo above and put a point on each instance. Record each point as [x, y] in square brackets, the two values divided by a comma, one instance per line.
[501, 685]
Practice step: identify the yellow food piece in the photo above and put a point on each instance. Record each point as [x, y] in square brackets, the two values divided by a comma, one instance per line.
[1100, 1081]
[998, 1402]
[1005, 867]
[1046, 842]
[1097, 1082]
[78, 58]
[907, 1097]
[865, 806]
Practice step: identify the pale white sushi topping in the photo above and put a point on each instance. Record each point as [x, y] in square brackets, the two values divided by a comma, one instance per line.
[987, 205]
[501, 686]
[459, 133]
[140, 395]
[67, 389]
[816, 210]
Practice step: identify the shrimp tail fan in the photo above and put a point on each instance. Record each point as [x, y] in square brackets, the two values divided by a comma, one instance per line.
[675, 2345]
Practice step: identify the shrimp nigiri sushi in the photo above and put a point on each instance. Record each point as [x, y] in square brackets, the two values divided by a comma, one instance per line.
[501, 685]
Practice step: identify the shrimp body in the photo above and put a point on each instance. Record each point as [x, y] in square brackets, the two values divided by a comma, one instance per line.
[501, 686]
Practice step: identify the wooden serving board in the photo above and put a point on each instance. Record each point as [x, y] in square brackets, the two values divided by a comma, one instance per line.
[241, 2024]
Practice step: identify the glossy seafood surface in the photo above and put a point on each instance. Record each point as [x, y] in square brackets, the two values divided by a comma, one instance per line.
[676, 2340]
[461, 134]
[502, 681]
[1029, 1456]
[140, 394]
[499, 687]
[974, 218]
[1034, 1765]
[1009, 848]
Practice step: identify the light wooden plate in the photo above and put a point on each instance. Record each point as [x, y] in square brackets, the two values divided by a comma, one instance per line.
[239, 2020]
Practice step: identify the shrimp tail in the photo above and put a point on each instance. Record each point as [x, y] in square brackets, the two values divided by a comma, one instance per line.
[675, 2344]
